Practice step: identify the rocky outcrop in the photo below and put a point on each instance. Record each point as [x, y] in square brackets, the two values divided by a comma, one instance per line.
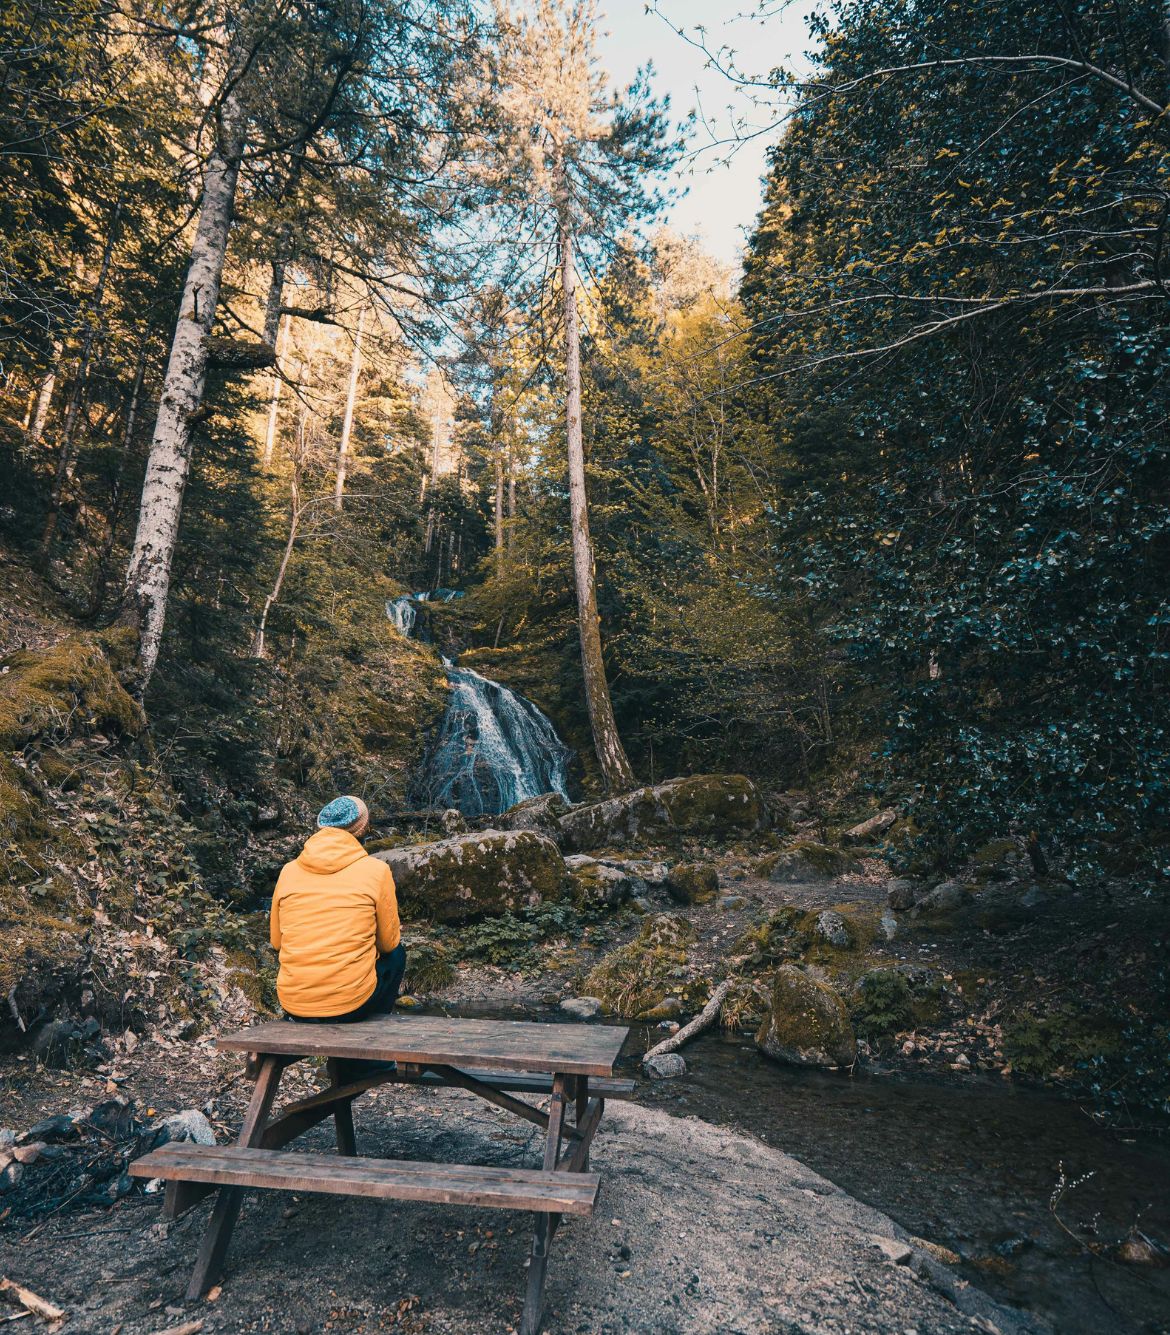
[707, 806]
[541, 814]
[474, 875]
[601, 884]
[806, 1023]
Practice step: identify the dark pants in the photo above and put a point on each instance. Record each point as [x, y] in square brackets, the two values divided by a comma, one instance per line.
[389, 969]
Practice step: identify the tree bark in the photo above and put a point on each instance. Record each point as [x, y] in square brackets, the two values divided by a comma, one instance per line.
[355, 368]
[149, 576]
[611, 755]
[40, 412]
[281, 339]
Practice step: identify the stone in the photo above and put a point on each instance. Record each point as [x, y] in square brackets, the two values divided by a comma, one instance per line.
[665, 1066]
[806, 1023]
[806, 863]
[893, 1249]
[582, 1008]
[540, 814]
[29, 1154]
[902, 893]
[889, 925]
[54, 1041]
[55, 1128]
[10, 1176]
[693, 883]
[7, 1138]
[870, 829]
[1139, 1249]
[188, 1125]
[602, 884]
[944, 898]
[707, 806]
[732, 901]
[453, 821]
[832, 928]
[470, 876]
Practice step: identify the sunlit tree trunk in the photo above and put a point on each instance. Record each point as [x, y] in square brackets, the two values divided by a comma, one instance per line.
[355, 370]
[149, 576]
[40, 412]
[611, 755]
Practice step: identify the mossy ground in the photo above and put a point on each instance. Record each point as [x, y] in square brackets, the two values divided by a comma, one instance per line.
[634, 980]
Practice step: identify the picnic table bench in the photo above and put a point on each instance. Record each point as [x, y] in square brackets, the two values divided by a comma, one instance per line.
[493, 1059]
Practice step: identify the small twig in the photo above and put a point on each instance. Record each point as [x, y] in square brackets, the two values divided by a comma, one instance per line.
[33, 1301]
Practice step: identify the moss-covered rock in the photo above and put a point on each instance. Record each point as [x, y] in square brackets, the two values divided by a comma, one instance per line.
[707, 806]
[472, 875]
[693, 883]
[806, 1023]
[542, 814]
[806, 863]
[635, 980]
[601, 884]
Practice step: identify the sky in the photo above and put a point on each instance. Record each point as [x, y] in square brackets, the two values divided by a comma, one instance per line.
[723, 195]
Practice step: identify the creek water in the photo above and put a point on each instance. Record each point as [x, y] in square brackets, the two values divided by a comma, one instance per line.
[493, 748]
[973, 1165]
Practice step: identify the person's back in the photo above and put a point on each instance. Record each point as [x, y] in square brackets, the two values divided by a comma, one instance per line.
[335, 923]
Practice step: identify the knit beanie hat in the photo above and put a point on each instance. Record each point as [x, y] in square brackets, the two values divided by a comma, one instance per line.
[346, 813]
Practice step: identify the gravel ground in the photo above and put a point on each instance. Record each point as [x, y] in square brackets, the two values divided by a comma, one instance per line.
[698, 1230]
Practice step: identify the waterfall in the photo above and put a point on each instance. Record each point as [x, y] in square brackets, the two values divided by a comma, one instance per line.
[403, 613]
[494, 749]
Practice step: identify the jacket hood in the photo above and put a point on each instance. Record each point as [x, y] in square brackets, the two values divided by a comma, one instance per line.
[330, 850]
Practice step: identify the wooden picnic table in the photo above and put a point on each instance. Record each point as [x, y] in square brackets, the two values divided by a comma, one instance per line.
[493, 1059]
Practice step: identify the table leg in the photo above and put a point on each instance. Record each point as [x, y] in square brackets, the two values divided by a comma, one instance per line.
[213, 1248]
[342, 1114]
[582, 1107]
[543, 1231]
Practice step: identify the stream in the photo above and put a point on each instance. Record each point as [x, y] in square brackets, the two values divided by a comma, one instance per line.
[972, 1165]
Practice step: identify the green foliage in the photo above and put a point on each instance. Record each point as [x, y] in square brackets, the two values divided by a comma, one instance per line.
[511, 938]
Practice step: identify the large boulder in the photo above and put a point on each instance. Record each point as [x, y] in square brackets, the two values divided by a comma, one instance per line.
[602, 884]
[542, 814]
[708, 806]
[473, 875]
[806, 863]
[806, 1023]
[693, 883]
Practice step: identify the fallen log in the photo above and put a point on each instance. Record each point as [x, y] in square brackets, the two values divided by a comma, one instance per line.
[704, 1020]
[33, 1302]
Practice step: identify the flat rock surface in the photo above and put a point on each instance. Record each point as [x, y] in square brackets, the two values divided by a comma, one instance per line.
[698, 1230]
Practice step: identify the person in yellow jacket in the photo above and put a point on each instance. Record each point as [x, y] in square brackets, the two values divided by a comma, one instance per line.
[334, 922]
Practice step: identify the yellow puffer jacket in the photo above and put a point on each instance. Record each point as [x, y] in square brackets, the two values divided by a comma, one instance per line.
[333, 912]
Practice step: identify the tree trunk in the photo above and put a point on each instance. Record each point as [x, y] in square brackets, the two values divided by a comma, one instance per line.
[149, 576]
[498, 456]
[40, 412]
[355, 368]
[294, 523]
[65, 453]
[611, 755]
[274, 402]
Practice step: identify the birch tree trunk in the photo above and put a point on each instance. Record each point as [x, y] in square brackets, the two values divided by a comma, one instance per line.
[611, 755]
[149, 575]
[40, 412]
[274, 402]
[355, 368]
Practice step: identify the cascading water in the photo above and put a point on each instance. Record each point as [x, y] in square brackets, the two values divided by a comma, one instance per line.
[494, 748]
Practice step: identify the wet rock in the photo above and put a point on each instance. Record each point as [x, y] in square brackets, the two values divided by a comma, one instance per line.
[944, 898]
[51, 1129]
[693, 883]
[806, 1023]
[582, 1008]
[805, 863]
[189, 1125]
[902, 893]
[1140, 1249]
[832, 928]
[472, 875]
[870, 829]
[600, 883]
[665, 1066]
[711, 806]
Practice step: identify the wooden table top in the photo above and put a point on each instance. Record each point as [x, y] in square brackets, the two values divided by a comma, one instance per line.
[506, 1045]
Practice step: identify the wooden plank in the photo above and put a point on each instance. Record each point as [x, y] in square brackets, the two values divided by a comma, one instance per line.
[383, 1179]
[506, 1045]
[461, 1080]
[545, 1223]
[576, 1157]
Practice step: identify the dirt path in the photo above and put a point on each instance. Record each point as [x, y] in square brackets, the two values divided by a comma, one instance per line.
[699, 1231]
